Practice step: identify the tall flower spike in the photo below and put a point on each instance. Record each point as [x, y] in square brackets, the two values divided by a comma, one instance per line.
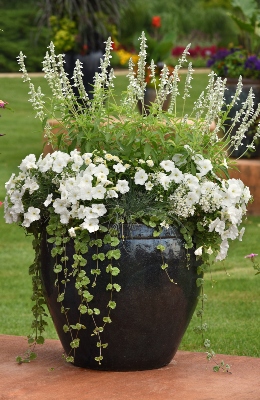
[141, 67]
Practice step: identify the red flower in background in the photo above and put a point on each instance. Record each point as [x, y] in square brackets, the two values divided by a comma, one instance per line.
[156, 21]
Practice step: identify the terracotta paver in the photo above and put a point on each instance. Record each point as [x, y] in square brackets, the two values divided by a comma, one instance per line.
[187, 377]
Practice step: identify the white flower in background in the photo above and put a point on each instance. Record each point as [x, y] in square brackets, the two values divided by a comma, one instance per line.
[190, 180]
[48, 200]
[230, 233]
[119, 167]
[122, 186]
[60, 161]
[90, 225]
[31, 184]
[60, 205]
[209, 250]
[65, 217]
[90, 169]
[16, 196]
[74, 194]
[192, 198]
[45, 164]
[99, 209]
[85, 182]
[98, 160]
[140, 177]
[108, 157]
[28, 163]
[164, 180]
[176, 175]
[246, 195]
[198, 251]
[86, 192]
[167, 165]
[234, 214]
[111, 194]
[72, 232]
[222, 251]
[234, 190]
[204, 166]
[100, 169]
[149, 185]
[98, 192]
[241, 233]
[101, 177]
[32, 214]
[86, 156]
[150, 163]
[217, 225]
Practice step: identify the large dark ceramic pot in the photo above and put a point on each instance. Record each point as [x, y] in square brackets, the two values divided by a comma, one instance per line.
[151, 314]
[232, 86]
[90, 66]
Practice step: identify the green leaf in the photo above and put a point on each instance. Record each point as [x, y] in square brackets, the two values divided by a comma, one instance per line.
[112, 304]
[107, 320]
[57, 268]
[199, 282]
[113, 254]
[40, 340]
[117, 287]
[32, 356]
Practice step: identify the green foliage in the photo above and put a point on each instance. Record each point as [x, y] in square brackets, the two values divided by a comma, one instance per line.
[16, 36]
[246, 15]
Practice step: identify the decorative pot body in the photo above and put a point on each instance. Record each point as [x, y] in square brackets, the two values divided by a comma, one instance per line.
[151, 313]
[149, 97]
[247, 84]
[90, 66]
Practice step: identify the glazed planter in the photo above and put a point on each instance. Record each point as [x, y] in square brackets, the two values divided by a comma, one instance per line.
[90, 66]
[151, 314]
[247, 84]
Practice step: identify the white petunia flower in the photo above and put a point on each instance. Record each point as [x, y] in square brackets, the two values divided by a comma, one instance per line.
[112, 194]
[167, 165]
[33, 214]
[28, 163]
[48, 200]
[198, 251]
[90, 225]
[204, 166]
[101, 168]
[72, 232]
[149, 185]
[140, 177]
[98, 192]
[176, 175]
[119, 167]
[99, 209]
[217, 225]
[150, 163]
[122, 186]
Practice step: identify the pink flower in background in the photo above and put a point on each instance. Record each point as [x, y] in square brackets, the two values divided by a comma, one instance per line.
[3, 103]
[1, 203]
[252, 255]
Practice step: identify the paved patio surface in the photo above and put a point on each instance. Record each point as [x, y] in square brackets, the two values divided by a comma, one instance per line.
[187, 377]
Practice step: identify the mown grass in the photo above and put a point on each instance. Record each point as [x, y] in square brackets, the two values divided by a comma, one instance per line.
[232, 311]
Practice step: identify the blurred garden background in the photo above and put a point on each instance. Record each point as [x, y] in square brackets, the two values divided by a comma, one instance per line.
[232, 311]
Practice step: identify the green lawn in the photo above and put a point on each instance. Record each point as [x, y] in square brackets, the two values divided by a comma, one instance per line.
[232, 311]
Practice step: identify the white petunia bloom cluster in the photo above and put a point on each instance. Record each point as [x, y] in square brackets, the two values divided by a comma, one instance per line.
[79, 186]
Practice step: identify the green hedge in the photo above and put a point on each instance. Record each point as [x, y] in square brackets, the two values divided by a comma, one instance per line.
[19, 33]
